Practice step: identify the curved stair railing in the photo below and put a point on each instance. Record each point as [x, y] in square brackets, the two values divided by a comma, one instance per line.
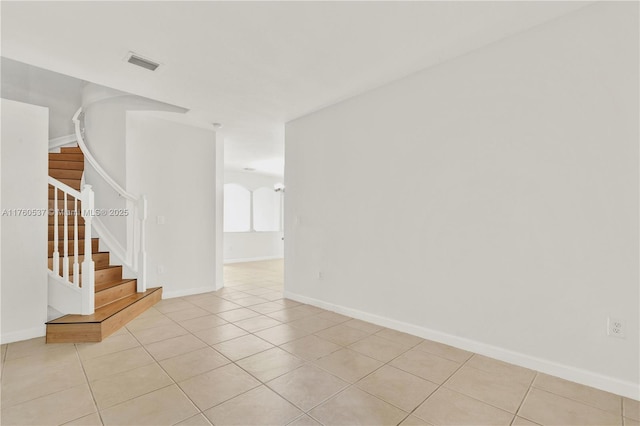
[135, 261]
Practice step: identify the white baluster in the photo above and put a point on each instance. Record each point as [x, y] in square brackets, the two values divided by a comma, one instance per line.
[76, 265]
[142, 256]
[56, 253]
[65, 264]
[88, 267]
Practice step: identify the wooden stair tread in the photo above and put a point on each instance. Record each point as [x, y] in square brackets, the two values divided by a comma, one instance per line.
[105, 312]
[107, 286]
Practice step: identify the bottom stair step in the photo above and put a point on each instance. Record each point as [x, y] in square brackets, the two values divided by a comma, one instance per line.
[105, 321]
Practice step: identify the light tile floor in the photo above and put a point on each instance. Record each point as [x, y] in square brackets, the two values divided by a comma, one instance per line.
[246, 356]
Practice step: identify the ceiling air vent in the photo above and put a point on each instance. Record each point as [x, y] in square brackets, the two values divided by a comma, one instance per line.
[138, 60]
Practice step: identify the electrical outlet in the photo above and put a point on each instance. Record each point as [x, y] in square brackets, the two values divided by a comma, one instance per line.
[161, 220]
[615, 327]
[320, 275]
[160, 269]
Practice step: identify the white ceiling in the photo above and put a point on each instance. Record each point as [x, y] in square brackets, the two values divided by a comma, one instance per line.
[255, 65]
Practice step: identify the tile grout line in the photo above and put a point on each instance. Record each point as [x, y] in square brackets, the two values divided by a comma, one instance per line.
[93, 397]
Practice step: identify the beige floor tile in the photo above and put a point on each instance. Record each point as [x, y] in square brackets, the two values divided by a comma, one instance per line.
[166, 406]
[35, 347]
[280, 334]
[257, 323]
[216, 386]
[259, 406]
[444, 351]
[363, 325]
[494, 366]
[53, 409]
[631, 408]
[250, 301]
[309, 310]
[175, 346]
[288, 303]
[121, 387]
[222, 333]
[25, 383]
[242, 347]
[446, 407]
[172, 305]
[149, 322]
[356, 407]
[335, 317]
[90, 420]
[520, 421]
[313, 324]
[630, 422]
[218, 306]
[197, 420]
[235, 295]
[348, 365]
[595, 397]
[399, 337]
[378, 348]
[151, 312]
[304, 421]
[310, 347]
[202, 323]
[157, 334]
[273, 295]
[428, 366]
[495, 389]
[397, 387]
[257, 291]
[187, 314]
[106, 365]
[307, 386]
[267, 308]
[191, 364]
[550, 409]
[39, 363]
[342, 334]
[289, 314]
[238, 314]
[270, 364]
[414, 421]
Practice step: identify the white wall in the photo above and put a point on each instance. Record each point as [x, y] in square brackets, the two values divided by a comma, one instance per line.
[174, 165]
[24, 150]
[490, 202]
[60, 93]
[105, 112]
[251, 246]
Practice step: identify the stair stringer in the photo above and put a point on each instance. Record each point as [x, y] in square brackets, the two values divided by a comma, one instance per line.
[108, 242]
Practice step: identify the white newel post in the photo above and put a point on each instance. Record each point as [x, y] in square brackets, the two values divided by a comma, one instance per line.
[142, 256]
[88, 267]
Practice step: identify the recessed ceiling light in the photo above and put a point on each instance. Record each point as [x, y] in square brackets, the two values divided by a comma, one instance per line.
[249, 169]
[138, 60]
[217, 126]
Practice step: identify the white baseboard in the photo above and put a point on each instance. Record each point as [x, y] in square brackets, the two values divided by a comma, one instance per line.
[252, 259]
[567, 372]
[16, 336]
[188, 292]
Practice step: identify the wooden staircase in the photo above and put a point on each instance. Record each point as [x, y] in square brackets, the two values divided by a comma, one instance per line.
[116, 299]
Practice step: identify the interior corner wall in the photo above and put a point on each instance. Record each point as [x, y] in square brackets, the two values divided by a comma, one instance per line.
[490, 202]
[174, 165]
[23, 233]
[60, 93]
[252, 246]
